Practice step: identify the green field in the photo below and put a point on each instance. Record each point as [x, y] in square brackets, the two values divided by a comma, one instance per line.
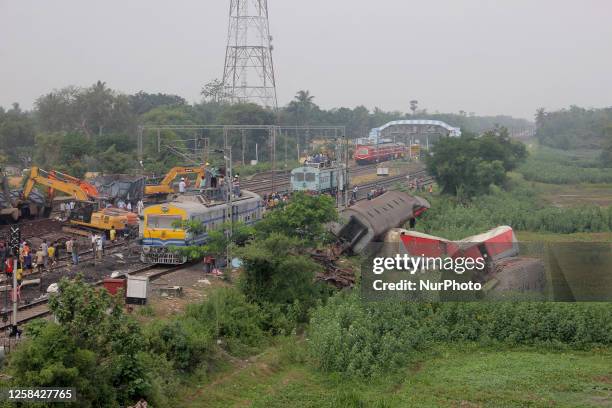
[458, 376]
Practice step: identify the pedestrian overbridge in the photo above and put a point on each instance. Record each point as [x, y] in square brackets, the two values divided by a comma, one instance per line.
[412, 131]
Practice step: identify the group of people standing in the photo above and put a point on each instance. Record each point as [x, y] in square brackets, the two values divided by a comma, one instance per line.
[274, 199]
[28, 259]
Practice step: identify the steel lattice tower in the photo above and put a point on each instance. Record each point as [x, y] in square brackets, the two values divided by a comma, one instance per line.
[248, 75]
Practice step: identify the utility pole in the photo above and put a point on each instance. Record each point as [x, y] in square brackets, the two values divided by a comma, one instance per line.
[15, 239]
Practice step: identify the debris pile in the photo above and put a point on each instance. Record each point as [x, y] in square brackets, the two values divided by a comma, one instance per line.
[337, 276]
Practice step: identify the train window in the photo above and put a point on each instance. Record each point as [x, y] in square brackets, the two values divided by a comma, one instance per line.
[401, 199]
[395, 201]
[370, 214]
[299, 176]
[162, 221]
[363, 151]
[389, 204]
[377, 212]
[310, 177]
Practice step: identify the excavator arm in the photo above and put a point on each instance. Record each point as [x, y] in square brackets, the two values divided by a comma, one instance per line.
[165, 185]
[71, 186]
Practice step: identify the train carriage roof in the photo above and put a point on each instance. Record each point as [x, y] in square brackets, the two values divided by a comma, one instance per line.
[195, 203]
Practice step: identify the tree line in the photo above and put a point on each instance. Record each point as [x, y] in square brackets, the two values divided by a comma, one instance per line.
[577, 128]
[94, 128]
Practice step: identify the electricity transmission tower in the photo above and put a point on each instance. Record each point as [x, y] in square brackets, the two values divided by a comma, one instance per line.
[248, 75]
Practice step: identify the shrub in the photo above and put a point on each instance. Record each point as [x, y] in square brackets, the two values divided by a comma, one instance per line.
[361, 339]
[232, 318]
[517, 208]
[185, 342]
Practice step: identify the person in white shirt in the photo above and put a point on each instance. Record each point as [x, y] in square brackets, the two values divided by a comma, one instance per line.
[182, 185]
[129, 206]
[140, 207]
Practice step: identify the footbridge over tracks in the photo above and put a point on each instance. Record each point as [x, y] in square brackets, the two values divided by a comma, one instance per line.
[412, 130]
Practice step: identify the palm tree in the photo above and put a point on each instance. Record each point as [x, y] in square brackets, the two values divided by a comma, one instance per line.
[302, 105]
[304, 98]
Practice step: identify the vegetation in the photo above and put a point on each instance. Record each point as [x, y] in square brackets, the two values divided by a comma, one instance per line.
[468, 165]
[367, 339]
[449, 375]
[519, 208]
[574, 127]
[100, 353]
[554, 166]
[76, 129]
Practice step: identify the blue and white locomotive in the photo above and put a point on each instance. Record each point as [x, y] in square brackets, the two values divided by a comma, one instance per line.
[318, 177]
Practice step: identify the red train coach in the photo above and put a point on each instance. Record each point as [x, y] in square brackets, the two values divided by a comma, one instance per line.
[365, 154]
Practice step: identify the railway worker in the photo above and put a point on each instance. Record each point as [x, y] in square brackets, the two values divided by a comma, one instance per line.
[113, 234]
[354, 193]
[27, 258]
[8, 267]
[2, 255]
[99, 247]
[63, 210]
[72, 248]
[94, 245]
[45, 250]
[140, 207]
[40, 260]
[182, 186]
[69, 246]
[236, 185]
[51, 255]
[19, 274]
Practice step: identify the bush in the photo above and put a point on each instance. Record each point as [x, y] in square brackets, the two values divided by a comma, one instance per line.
[517, 208]
[361, 339]
[232, 318]
[184, 342]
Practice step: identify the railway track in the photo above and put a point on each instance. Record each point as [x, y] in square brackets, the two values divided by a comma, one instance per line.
[282, 181]
[39, 308]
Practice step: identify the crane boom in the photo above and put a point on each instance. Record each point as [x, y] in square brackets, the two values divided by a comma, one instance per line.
[165, 185]
[72, 186]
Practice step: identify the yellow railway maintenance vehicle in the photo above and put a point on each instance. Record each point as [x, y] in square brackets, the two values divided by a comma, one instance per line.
[165, 187]
[86, 213]
[161, 228]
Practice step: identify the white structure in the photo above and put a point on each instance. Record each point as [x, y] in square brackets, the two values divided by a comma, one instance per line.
[424, 124]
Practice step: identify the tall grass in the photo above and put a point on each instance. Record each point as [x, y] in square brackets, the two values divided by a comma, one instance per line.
[518, 208]
[367, 339]
[554, 166]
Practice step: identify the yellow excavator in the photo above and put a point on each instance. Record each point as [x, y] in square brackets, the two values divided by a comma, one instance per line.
[87, 212]
[165, 187]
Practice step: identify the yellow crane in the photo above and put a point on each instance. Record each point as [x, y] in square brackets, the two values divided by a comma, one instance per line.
[165, 185]
[86, 213]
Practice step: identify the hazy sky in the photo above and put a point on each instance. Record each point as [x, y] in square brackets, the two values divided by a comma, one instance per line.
[488, 57]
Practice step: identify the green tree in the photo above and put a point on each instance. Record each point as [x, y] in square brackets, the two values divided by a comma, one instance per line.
[16, 131]
[303, 108]
[276, 271]
[214, 91]
[469, 165]
[57, 111]
[304, 216]
[606, 148]
[115, 161]
[93, 345]
[143, 102]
